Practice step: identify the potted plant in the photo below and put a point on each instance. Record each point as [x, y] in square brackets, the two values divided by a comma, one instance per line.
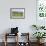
[39, 35]
[38, 27]
[35, 26]
[42, 27]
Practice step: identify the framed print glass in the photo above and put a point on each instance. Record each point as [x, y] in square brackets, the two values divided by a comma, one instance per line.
[17, 13]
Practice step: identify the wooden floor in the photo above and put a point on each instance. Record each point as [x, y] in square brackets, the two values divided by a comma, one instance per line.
[13, 44]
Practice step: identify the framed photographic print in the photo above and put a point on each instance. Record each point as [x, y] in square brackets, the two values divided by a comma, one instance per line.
[41, 12]
[41, 8]
[17, 13]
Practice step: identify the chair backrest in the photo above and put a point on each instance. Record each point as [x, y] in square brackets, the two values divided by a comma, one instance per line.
[14, 30]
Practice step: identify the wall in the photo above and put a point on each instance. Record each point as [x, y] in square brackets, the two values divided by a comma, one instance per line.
[23, 24]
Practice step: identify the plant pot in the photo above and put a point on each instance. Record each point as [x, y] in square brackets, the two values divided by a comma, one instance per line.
[40, 41]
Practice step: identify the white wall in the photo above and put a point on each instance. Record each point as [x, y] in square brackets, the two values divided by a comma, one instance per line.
[23, 24]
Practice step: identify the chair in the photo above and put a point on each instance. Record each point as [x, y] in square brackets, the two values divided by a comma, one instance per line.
[25, 36]
[14, 32]
[8, 35]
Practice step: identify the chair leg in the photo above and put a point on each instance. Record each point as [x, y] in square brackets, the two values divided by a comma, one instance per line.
[5, 43]
[5, 40]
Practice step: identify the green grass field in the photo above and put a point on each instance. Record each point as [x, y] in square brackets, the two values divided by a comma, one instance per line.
[17, 14]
